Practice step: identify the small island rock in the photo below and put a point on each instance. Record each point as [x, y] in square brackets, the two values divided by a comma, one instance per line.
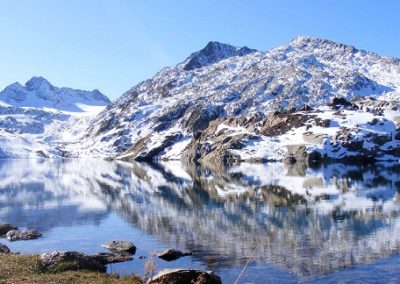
[172, 254]
[121, 246]
[15, 235]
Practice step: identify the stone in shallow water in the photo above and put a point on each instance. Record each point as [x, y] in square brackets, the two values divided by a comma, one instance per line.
[4, 249]
[5, 228]
[107, 258]
[184, 276]
[15, 235]
[172, 254]
[123, 246]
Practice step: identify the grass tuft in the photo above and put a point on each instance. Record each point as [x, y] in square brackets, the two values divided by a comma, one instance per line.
[16, 268]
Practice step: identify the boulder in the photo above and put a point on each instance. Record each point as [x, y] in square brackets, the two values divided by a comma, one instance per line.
[58, 261]
[185, 276]
[15, 235]
[4, 249]
[5, 228]
[172, 254]
[121, 246]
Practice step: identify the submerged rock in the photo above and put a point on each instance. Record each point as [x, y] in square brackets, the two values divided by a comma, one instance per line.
[70, 260]
[4, 249]
[15, 235]
[184, 276]
[107, 258]
[5, 228]
[172, 254]
[123, 246]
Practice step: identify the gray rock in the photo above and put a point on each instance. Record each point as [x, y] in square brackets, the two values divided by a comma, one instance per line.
[4, 249]
[123, 246]
[70, 260]
[5, 228]
[15, 235]
[172, 254]
[184, 276]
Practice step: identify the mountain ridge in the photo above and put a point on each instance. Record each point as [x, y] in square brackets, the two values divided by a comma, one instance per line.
[163, 113]
[39, 92]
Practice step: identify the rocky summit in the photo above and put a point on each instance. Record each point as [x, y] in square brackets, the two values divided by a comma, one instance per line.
[308, 101]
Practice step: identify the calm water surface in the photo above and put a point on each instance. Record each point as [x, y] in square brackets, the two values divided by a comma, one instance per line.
[333, 224]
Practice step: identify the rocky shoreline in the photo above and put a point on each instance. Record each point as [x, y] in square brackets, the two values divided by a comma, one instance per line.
[121, 251]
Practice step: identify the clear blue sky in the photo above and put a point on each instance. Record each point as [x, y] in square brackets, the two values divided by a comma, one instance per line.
[112, 45]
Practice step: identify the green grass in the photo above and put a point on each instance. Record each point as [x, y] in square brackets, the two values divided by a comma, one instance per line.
[15, 268]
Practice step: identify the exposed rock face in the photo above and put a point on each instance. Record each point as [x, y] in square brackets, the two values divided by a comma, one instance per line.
[4, 249]
[71, 260]
[211, 146]
[15, 235]
[5, 228]
[172, 254]
[122, 246]
[278, 124]
[185, 276]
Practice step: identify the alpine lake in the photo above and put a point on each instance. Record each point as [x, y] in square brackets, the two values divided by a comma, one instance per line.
[252, 223]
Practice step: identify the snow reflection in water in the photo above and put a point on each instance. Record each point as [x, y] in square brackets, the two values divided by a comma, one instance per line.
[301, 223]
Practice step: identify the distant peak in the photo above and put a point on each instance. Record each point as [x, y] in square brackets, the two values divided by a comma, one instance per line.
[37, 82]
[213, 52]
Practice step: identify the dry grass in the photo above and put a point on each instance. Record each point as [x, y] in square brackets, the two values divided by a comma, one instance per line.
[16, 268]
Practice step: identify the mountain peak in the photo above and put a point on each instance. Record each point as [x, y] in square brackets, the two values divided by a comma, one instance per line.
[213, 52]
[37, 82]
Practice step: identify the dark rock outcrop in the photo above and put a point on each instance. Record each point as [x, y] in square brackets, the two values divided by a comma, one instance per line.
[280, 123]
[199, 117]
[142, 152]
[5, 228]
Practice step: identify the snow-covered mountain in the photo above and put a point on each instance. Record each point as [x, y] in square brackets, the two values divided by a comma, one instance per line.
[228, 104]
[37, 118]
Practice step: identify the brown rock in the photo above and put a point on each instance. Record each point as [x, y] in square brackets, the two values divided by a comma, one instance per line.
[185, 276]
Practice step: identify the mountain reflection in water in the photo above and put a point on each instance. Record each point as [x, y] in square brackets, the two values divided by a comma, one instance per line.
[307, 221]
